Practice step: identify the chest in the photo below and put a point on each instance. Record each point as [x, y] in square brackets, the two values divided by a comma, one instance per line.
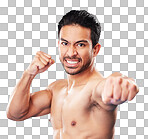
[74, 106]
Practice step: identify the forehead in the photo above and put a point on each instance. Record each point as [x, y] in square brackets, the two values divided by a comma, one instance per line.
[75, 33]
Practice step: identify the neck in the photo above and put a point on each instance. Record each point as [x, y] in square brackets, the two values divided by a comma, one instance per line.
[81, 78]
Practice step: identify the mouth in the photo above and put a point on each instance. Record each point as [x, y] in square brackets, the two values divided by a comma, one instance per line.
[71, 63]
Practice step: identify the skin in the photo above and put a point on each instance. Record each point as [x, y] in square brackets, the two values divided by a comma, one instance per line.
[83, 106]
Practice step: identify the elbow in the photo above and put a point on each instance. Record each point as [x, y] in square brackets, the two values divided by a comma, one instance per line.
[15, 113]
[14, 117]
[8, 113]
[10, 117]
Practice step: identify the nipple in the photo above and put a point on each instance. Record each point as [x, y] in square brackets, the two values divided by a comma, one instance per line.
[73, 123]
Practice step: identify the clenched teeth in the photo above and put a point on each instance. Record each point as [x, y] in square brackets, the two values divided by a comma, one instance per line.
[72, 62]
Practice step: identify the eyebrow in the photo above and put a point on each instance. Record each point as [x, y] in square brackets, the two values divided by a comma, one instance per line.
[75, 42]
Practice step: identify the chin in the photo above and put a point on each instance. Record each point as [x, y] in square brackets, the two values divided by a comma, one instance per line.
[70, 72]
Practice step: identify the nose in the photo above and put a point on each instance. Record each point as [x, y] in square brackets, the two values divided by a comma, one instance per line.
[72, 51]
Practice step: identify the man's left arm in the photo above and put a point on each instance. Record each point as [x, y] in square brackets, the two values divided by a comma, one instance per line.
[114, 90]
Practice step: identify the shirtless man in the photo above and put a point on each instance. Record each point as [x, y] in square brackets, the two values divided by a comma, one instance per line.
[83, 106]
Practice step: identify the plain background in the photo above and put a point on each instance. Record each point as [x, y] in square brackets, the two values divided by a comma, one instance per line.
[27, 26]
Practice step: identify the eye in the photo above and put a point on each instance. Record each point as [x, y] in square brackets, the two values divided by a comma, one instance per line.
[64, 43]
[81, 45]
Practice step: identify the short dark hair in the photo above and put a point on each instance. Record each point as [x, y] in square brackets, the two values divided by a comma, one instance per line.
[84, 19]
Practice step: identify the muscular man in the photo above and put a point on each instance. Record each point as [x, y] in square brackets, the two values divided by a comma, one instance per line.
[83, 106]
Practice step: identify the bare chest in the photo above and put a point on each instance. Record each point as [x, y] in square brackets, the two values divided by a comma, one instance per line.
[70, 110]
[76, 114]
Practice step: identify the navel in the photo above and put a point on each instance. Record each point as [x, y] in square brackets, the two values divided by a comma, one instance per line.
[73, 123]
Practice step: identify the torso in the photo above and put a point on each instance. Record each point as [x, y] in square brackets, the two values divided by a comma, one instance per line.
[77, 116]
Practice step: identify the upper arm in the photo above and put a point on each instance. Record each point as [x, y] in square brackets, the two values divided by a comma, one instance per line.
[40, 104]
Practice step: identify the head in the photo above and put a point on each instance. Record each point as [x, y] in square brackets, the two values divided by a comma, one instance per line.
[78, 33]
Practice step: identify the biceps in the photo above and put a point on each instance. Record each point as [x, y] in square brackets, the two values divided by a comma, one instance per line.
[43, 112]
[34, 112]
[40, 104]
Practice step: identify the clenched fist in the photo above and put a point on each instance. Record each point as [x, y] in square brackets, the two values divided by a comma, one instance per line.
[118, 89]
[40, 63]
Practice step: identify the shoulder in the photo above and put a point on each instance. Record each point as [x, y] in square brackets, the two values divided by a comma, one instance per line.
[56, 85]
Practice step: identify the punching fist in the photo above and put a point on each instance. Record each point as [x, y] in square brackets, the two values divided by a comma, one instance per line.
[118, 89]
[40, 63]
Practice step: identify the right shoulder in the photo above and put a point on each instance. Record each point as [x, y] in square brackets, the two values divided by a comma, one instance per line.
[56, 85]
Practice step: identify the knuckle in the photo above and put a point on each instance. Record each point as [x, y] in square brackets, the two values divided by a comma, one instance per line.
[117, 97]
[110, 80]
[37, 52]
[105, 100]
[129, 98]
[109, 94]
[48, 60]
[133, 87]
[42, 65]
[42, 61]
[132, 79]
[39, 60]
[126, 84]
[123, 99]
[137, 89]
[36, 56]
[119, 80]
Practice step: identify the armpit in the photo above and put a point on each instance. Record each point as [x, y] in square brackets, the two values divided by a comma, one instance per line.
[94, 105]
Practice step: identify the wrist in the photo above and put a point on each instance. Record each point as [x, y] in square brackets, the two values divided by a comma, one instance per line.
[27, 73]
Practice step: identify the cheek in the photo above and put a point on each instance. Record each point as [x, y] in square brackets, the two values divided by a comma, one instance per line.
[61, 53]
[86, 55]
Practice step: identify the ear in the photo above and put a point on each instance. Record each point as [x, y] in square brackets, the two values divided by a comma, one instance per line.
[96, 49]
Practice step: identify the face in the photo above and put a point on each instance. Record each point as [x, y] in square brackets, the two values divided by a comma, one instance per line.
[75, 48]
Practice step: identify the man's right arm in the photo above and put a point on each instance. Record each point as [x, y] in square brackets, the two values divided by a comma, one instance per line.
[22, 103]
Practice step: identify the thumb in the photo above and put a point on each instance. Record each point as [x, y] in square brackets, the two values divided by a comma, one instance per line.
[51, 62]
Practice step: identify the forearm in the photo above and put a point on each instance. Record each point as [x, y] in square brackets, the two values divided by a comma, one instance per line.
[19, 100]
[97, 93]
[100, 88]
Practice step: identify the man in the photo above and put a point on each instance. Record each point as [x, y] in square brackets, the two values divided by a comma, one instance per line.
[83, 106]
